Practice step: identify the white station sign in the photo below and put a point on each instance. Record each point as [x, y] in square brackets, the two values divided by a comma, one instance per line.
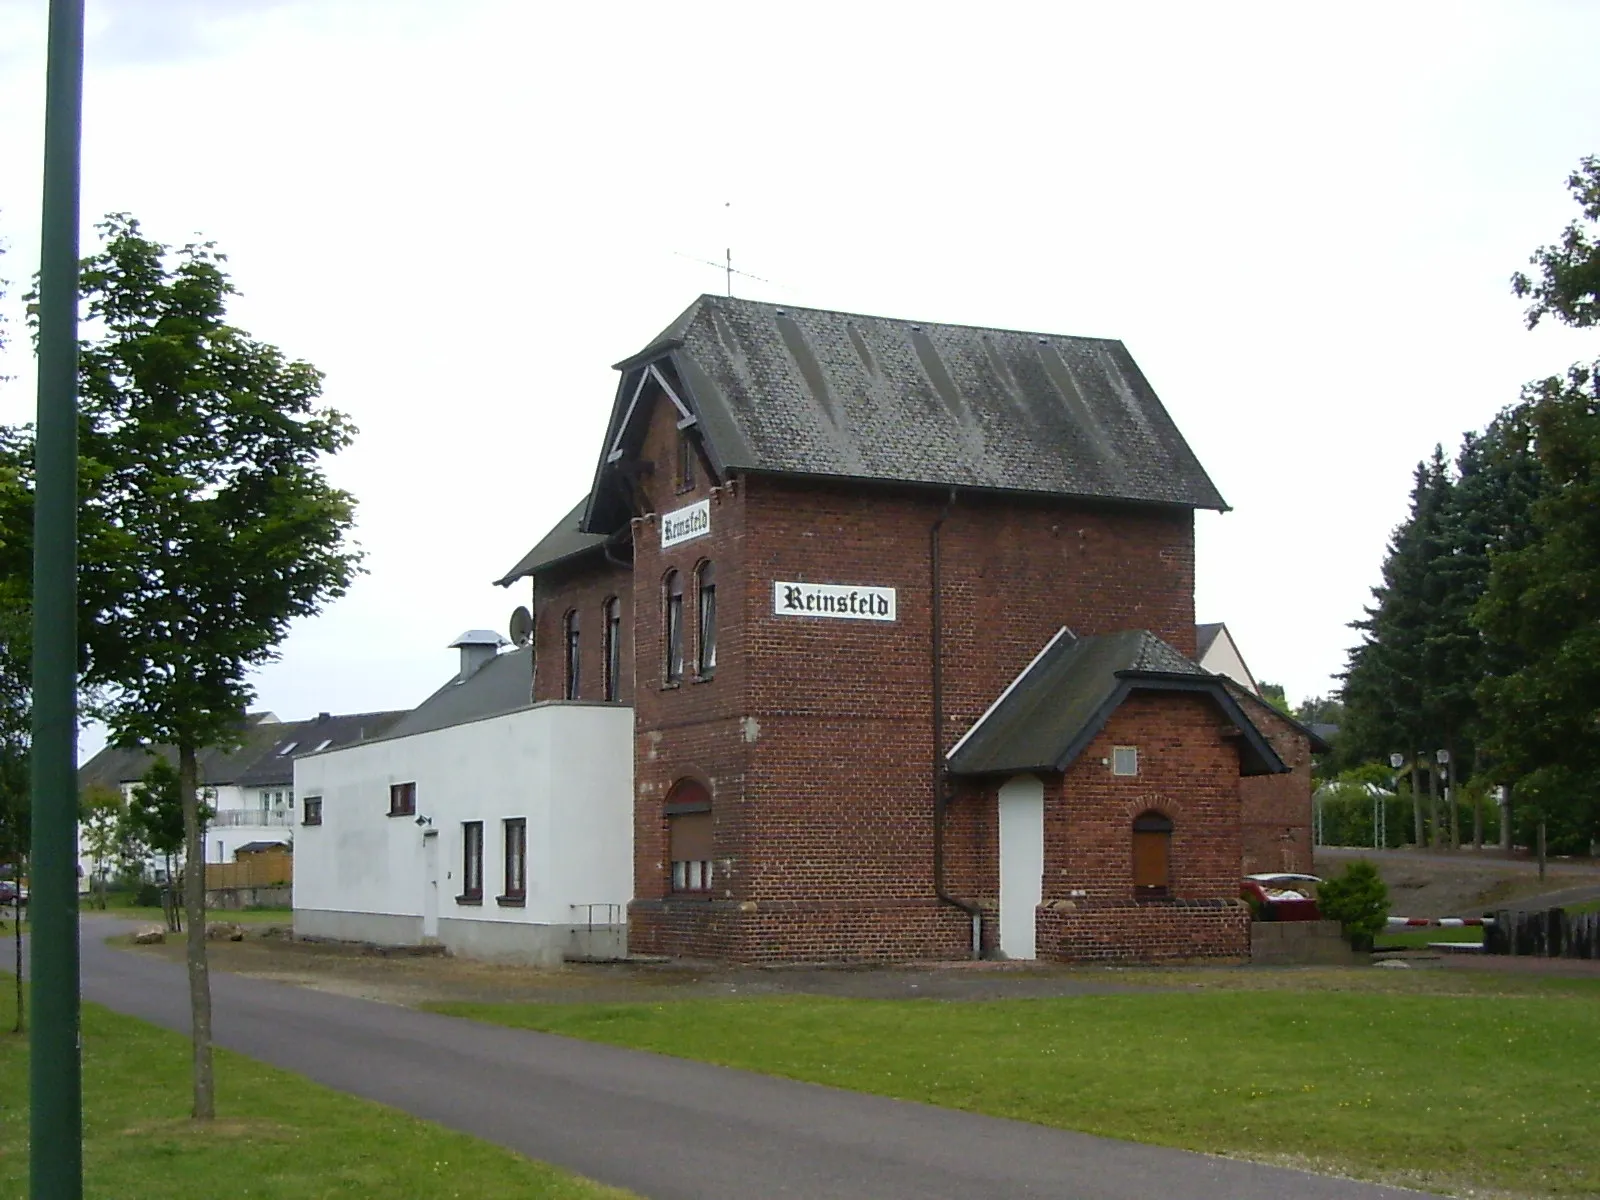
[685, 524]
[836, 600]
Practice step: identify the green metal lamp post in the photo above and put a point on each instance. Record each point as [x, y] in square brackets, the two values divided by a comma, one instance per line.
[55, 1089]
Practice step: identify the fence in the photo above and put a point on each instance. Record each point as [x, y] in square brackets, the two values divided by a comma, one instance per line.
[253, 871]
[1553, 933]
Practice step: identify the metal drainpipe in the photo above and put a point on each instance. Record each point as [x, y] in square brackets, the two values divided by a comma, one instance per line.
[940, 783]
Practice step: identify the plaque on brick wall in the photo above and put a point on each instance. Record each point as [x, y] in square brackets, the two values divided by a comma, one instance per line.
[685, 524]
[838, 600]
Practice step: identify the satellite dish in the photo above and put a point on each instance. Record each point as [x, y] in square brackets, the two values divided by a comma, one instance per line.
[522, 626]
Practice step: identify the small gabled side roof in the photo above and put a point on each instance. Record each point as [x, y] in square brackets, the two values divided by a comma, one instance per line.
[566, 540]
[1043, 721]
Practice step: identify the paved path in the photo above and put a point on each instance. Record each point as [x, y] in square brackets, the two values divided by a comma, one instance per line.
[668, 1128]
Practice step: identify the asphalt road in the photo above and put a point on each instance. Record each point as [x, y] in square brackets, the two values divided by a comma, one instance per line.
[668, 1128]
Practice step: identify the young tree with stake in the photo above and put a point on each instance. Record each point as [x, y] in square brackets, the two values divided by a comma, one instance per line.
[212, 523]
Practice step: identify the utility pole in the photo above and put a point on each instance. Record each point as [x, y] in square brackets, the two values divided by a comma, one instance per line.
[55, 1076]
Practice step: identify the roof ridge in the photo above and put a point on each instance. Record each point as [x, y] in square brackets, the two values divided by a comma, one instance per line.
[910, 322]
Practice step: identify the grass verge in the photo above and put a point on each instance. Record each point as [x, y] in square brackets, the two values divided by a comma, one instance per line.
[1449, 1093]
[278, 1136]
[1401, 938]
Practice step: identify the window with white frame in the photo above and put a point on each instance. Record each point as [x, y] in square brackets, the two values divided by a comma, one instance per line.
[1125, 760]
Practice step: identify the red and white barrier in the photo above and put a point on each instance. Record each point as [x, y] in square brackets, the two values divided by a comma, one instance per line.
[1442, 922]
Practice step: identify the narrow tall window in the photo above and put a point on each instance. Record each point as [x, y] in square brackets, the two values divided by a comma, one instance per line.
[685, 461]
[689, 838]
[311, 811]
[516, 844]
[674, 597]
[613, 648]
[706, 589]
[1152, 854]
[570, 632]
[471, 862]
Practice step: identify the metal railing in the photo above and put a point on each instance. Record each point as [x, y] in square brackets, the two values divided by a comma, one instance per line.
[262, 818]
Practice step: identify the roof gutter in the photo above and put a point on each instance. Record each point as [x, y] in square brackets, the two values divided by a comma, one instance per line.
[941, 782]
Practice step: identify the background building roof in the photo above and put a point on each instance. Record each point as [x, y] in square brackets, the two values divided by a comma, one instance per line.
[264, 758]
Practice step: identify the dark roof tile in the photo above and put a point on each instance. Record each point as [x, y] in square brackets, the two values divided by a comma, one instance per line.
[814, 392]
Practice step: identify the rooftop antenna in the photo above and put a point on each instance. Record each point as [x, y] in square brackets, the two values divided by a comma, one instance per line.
[726, 265]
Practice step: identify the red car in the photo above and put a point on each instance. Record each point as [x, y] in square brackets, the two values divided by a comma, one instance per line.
[1282, 896]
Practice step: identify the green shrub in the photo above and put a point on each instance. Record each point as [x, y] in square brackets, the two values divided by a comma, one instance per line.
[1357, 900]
[147, 895]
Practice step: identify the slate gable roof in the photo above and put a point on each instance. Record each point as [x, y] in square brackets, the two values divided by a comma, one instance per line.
[1043, 721]
[256, 762]
[503, 684]
[1204, 635]
[567, 540]
[813, 392]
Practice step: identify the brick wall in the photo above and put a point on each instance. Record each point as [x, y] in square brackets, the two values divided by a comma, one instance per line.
[815, 736]
[1188, 771]
[583, 586]
[1127, 932]
[1276, 809]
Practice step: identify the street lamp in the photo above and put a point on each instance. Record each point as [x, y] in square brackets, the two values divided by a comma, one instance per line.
[1442, 757]
[1396, 761]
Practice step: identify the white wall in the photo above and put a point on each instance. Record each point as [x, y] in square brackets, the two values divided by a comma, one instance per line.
[567, 769]
[1224, 659]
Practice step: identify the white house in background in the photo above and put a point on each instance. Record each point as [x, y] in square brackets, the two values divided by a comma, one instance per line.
[497, 827]
[250, 787]
[1217, 653]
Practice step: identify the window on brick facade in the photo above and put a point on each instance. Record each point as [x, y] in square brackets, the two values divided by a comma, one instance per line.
[689, 838]
[471, 862]
[673, 591]
[613, 648]
[515, 835]
[1152, 854]
[402, 799]
[705, 576]
[569, 631]
[685, 461]
[1125, 760]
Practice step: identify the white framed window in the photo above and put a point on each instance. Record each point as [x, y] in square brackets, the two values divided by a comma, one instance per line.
[1125, 760]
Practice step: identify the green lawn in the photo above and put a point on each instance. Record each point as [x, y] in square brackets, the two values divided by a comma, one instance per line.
[1403, 938]
[1443, 1092]
[277, 1136]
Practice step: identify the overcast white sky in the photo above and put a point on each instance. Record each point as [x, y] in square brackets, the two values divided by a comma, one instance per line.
[1301, 220]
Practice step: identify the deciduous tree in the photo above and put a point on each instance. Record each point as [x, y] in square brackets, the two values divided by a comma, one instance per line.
[209, 524]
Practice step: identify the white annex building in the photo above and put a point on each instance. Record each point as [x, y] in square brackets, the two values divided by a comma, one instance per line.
[494, 826]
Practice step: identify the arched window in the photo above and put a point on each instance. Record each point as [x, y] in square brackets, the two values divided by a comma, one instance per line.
[689, 837]
[612, 636]
[673, 592]
[570, 637]
[1152, 854]
[705, 581]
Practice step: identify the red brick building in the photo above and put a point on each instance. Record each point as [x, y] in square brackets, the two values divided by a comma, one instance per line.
[904, 613]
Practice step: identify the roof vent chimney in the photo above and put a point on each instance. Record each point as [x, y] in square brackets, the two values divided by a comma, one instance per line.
[477, 647]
